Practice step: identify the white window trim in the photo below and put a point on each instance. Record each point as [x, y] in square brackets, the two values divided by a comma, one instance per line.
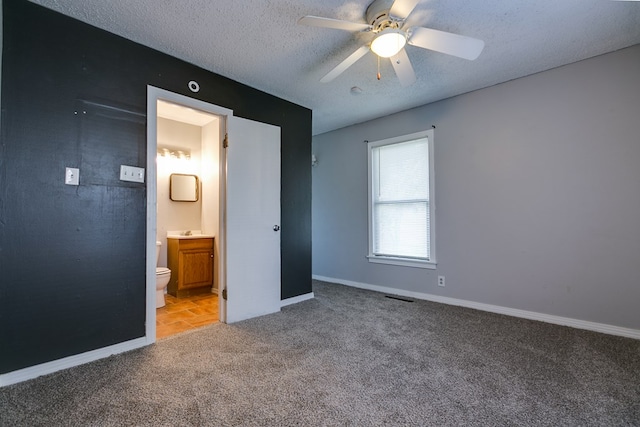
[407, 262]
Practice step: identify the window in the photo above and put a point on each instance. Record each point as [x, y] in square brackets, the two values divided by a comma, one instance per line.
[401, 207]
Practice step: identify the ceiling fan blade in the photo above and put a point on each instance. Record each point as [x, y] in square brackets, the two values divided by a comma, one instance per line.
[402, 8]
[345, 64]
[337, 24]
[449, 43]
[403, 68]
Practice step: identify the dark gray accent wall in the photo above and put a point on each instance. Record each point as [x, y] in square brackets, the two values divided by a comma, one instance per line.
[72, 258]
[537, 194]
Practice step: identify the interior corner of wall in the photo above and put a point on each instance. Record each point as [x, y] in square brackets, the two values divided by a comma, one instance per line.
[1, 52]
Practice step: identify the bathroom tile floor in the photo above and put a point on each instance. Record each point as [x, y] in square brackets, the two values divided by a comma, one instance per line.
[182, 314]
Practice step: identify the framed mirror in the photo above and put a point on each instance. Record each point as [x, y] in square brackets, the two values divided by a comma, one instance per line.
[183, 188]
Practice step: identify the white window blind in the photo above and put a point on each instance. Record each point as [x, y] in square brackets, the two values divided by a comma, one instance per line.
[400, 211]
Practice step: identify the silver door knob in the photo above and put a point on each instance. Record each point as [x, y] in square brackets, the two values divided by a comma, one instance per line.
[276, 228]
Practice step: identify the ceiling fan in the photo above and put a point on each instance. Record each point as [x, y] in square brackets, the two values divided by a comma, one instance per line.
[385, 19]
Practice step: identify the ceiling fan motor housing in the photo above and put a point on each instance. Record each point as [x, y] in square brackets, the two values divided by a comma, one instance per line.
[378, 17]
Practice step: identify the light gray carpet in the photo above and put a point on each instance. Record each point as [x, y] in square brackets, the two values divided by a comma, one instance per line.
[349, 358]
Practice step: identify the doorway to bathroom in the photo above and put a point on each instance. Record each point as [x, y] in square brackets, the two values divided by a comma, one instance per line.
[237, 207]
[188, 218]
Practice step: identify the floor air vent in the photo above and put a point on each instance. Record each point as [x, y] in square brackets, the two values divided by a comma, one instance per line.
[398, 298]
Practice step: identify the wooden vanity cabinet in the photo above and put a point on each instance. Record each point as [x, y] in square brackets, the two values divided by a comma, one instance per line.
[191, 265]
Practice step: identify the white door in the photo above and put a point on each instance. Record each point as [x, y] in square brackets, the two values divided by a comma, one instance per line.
[252, 219]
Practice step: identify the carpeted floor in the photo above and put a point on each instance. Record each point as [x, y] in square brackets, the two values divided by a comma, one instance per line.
[349, 357]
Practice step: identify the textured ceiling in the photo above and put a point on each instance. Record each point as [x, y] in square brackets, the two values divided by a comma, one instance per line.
[258, 43]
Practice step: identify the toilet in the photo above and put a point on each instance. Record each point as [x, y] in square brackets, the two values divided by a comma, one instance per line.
[163, 274]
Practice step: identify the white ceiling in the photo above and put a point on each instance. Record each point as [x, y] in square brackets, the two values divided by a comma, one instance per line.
[258, 43]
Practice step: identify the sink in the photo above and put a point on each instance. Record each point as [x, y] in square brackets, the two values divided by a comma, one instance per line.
[188, 234]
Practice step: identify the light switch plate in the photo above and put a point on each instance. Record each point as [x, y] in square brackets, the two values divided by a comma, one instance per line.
[72, 176]
[131, 173]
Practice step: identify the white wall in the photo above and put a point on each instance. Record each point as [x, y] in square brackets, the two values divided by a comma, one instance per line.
[537, 194]
[177, 215]
[210, 178]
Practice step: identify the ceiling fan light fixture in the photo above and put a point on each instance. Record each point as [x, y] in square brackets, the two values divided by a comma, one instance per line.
[388, 43]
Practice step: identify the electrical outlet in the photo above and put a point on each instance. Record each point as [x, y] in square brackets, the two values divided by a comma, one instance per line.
[72, 176]
[441, 281]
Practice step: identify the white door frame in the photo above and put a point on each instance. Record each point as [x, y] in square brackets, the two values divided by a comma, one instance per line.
[153, 95]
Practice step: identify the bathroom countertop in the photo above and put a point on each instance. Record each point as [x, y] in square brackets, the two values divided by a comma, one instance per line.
[192, 236]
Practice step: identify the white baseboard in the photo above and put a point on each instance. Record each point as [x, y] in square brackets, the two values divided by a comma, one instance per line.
[69, 362]
[295, 300]
[80, 359]
[531, 315]
[101, 353]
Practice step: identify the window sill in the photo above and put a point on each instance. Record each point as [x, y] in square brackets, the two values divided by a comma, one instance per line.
[405, 262]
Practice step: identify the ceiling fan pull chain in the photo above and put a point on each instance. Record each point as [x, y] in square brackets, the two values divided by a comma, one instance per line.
[379, 76]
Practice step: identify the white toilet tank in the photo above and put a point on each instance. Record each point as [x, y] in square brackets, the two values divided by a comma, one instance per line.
[158, 244]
